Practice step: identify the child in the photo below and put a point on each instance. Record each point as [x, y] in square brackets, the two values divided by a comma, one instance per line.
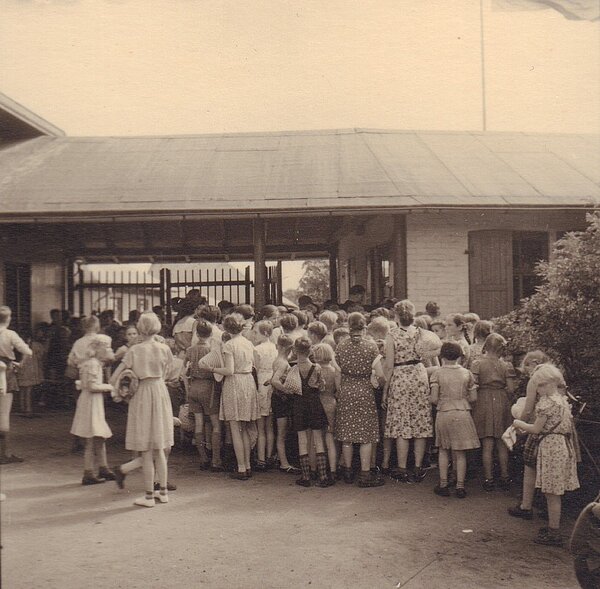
[556, 457]
[131, 337]
[315, 332]
[496, 380]
[239, 397]
[9, 343]
[30, 375]
[340, 334]
[150, 415]
[281, 402]
[452, 389]
[323, 356]
[265, 354]
[89, 421]
[202, 396]
[456, 331]
[470, 320]
[438, 327]
[308, 414]
[480, 331]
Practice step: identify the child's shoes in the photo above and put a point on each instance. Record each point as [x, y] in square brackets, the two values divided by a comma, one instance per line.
[460, 493]
[170, 487]
[89, 478]
[504, 484]
[488, 485]
[549, 537]
[303, 482]
[518, 511]
[441, 491]
[367, 479]
[161, 497]
[105, 473]
[144, 502]
[119, 477]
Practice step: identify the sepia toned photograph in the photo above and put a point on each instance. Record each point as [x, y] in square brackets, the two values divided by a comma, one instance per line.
[299, 294]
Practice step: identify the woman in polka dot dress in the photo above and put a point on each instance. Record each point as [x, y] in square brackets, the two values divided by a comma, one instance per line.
[356, 416]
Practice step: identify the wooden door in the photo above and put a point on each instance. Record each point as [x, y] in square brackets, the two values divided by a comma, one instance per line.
[490, 273]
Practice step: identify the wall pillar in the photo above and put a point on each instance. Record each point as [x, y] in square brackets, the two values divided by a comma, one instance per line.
[260, 269]
[333, 273]
[399, 257]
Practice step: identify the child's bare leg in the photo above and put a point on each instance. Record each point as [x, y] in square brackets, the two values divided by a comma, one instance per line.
[420, 444]
[131, 465]
[443, 462]
[331, 451]
[270, 435]
[365, 456]
[262, 439]
[216, 440]
[148, 470]
[347, 449]
[88, 455]
[282, 425]
[528, 487]
[160, 462]
[402, 447]
[317, 436]
[100, 451]
[387, 453]
[303, 440]
[487, 450]
[199, 437]
[554, 508]
[502, 457]
[238, 444]
[461, 468]
[312, 455]
[247, 444]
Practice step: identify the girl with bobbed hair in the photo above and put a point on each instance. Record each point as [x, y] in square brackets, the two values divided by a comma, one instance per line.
[457, 331]
[356, 413]
[150, 415]
[406, 394]
[239, 397]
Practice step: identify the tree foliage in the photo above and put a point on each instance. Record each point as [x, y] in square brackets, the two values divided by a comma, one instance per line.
[315, 280]
[563, 316]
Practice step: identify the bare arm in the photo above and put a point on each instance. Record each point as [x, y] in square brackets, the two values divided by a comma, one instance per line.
[228, 368]
[116, 373]
[530, 399]
[531, 428]
[278, 378]
[390, 352]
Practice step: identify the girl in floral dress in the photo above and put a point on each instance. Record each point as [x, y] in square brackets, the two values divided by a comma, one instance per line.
[406, 395]
[556, 470]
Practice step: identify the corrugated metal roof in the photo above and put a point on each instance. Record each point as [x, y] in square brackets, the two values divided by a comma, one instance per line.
[298, 171]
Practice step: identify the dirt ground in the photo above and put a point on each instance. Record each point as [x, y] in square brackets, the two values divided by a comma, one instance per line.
[262, 533]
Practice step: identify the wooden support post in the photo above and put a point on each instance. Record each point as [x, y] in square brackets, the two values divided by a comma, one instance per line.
[333, 274]
[260, 270]
[70, 268]
[399, 257]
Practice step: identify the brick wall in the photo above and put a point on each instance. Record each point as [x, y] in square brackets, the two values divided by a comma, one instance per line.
[437, 244]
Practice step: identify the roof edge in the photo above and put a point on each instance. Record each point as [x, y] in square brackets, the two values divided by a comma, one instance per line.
[29, 117]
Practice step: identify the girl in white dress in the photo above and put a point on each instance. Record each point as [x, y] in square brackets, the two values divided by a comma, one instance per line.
[150, 416]
[89, 421]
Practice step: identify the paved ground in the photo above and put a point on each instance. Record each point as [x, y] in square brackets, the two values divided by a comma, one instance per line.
[264, 533]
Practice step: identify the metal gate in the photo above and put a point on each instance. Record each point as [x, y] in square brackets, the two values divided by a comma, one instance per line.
[123, 291]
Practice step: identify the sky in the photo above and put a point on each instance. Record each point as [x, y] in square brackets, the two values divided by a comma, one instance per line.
[163, 67]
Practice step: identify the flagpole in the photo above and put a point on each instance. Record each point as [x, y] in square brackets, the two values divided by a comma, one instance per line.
[482, 52]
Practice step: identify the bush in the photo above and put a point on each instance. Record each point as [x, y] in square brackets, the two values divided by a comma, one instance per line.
[563, 316]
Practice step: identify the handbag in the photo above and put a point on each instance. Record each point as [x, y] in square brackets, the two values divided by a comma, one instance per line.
[293, 382]
[126, 386]
[188, 423]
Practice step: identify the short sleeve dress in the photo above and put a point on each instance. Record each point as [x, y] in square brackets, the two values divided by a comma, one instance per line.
[556, 469]
[491, 412]
[409, 408]
[89, 420]
[264, 354]
[356, 418]
[150, 415]
[239, 398]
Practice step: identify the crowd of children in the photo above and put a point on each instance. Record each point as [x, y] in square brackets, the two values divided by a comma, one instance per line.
[337, 378]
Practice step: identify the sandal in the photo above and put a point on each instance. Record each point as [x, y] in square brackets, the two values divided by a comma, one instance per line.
[11, 459]
[290, 470]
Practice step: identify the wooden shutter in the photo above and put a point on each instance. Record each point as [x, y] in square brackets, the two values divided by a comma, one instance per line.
[490, 273]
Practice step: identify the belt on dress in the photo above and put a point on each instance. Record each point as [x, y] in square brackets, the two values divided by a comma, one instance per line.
[407, 363]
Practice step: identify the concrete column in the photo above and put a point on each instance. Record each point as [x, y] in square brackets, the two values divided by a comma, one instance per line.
[260, 270]
[399, 257]
[333, 274]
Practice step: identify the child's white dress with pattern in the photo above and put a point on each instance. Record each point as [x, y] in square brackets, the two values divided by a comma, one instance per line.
[150, 415]
[556, 470]
[89, 420]
[264, 356]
